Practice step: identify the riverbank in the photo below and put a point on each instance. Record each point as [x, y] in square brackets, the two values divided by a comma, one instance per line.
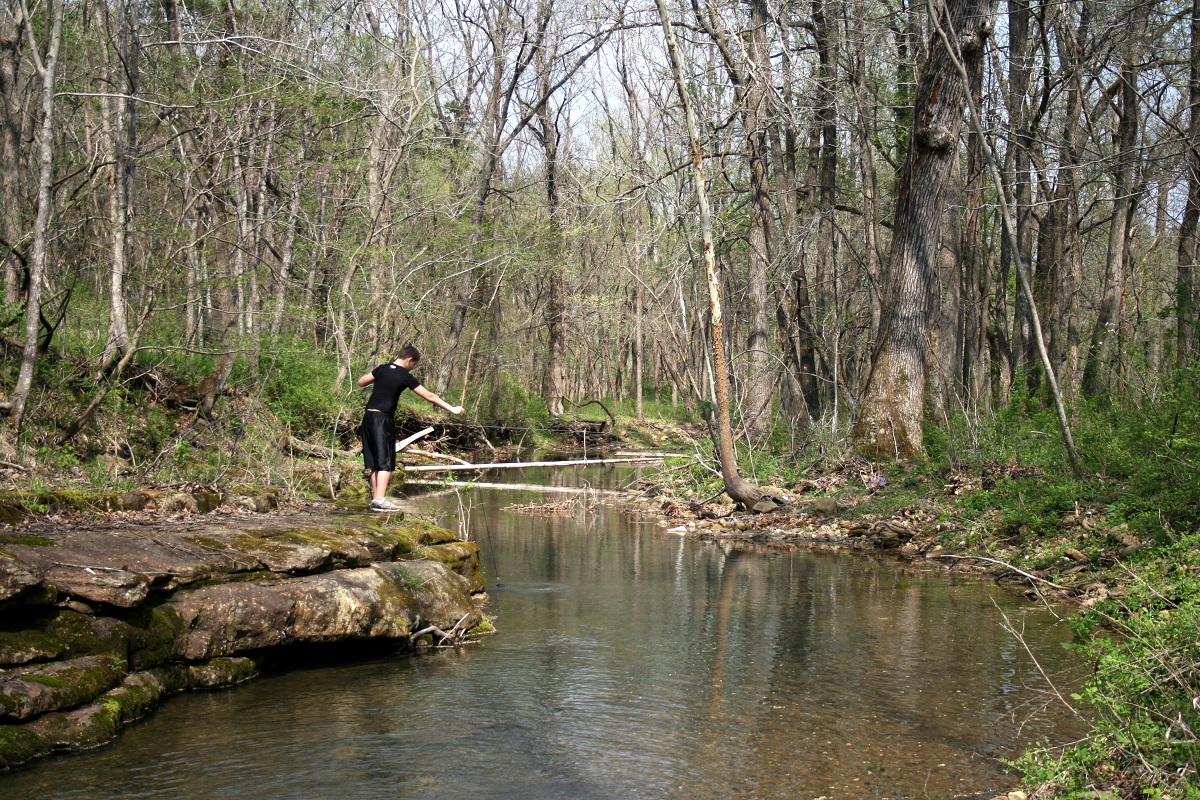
[855, 508]
[104, 614]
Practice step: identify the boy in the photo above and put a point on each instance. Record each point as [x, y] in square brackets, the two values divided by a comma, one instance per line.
[379, 420]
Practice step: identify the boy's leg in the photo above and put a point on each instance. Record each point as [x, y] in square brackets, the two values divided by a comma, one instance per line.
[379, 484]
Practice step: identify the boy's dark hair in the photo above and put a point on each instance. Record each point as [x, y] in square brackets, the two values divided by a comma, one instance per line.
[408, 351]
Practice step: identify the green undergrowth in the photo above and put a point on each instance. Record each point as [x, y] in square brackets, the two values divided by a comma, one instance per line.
[1142, 698]
[1129, 522]
[146, 431]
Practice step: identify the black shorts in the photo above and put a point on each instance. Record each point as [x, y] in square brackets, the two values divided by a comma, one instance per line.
[379, 441]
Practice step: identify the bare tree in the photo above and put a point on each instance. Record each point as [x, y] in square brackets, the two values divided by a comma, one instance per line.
[48, 71]
[738, 488]
[12, 34]
[120, 103]
[1106, 333]
[1187, 302]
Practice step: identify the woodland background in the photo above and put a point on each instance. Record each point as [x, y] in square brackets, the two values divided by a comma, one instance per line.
[280, 194]
[960, 234]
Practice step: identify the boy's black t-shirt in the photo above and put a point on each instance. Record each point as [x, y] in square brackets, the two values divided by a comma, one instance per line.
[390, 381]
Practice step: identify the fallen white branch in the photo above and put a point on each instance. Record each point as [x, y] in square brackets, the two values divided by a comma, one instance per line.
[521, 464]
[1028, 575]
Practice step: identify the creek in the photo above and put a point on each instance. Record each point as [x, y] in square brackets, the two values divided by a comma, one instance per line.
[630, 662]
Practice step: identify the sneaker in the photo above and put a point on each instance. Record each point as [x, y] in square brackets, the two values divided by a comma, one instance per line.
[384, 505]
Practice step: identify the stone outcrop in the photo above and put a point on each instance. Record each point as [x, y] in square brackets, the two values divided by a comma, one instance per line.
[99, 621]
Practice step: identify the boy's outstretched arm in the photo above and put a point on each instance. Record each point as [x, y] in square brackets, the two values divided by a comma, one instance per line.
[437, 401]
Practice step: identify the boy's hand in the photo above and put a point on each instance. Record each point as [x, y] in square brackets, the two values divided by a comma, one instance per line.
[455, 410]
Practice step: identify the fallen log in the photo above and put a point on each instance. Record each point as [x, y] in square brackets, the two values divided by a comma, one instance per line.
[523, 487]
[430, 454]
[521, 464]
[297, 447]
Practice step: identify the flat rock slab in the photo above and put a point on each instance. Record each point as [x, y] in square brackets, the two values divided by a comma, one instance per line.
[120, 563]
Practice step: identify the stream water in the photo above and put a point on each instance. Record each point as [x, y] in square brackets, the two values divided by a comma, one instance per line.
[629, 662]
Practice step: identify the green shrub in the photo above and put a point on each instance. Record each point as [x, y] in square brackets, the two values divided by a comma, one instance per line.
[1142, 697]
[656, 405]
[299, 388]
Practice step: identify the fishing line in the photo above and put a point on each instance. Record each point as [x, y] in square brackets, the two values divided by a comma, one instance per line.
[491, 550]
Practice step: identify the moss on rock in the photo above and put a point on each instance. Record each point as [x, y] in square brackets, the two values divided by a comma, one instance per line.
[224, 671]
[153, 635]
[31, 541]
[60, 633]
[11, 512]
[24, 646]
[459, 557]
[18, 745]
[31, 691]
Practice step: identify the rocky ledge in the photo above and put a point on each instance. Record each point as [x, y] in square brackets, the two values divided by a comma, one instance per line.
[100, 620]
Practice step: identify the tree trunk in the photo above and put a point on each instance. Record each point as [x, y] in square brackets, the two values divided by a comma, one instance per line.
[739, 490]
[943, 358]
[889, 421]
[975, 269]
[12, 33]
[759, 374]
[554, 374]
[1019, 187]
[288, 257]
[41, 226]
[957, 58]
[501, 91]
[827, 278]
[1187, 303]
[866, 163]
[1103, 350]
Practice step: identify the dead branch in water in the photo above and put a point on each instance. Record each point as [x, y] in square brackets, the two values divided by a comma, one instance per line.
[1022, 572]
[455, 634]
[560, 507]
[451, 486]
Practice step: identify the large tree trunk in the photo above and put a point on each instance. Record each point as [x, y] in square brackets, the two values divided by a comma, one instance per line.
[889, 421]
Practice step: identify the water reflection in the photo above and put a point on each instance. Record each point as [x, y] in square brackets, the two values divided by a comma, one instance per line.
[629, 663]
